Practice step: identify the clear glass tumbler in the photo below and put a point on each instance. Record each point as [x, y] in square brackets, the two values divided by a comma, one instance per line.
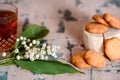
[8, 26]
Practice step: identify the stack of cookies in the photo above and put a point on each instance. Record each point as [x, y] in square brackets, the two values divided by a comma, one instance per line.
[101, 37]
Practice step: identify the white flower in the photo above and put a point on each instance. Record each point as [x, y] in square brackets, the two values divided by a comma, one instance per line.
[48, 47]
[30, 51]
[37, 56]
[4, 54]
[31, 55]
[32, 59]
[49, 52]
[21, 37]
[27, 48]
[46, 57]
[38, 49]
[30, 44]
[34, 41]
[26, 56]
[23, 42]
[18, 39]
[43, 52]
[16, 50]
[42, 57]
[28, 40]
[18, 57]
[34, 49]
[38, 42]
[44, 45]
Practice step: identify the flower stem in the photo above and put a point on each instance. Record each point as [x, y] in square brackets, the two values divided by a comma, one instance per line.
[6, 61]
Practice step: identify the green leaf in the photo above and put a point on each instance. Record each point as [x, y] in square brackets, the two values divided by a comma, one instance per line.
[35, 32]
[47, 67]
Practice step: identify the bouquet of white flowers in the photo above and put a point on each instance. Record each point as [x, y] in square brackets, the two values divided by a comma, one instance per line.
[31, 54]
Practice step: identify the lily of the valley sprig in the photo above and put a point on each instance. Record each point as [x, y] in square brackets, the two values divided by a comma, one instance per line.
[34, 50]
[32, 54]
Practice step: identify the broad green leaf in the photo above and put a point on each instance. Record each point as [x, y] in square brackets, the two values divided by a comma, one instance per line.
[47, 67]
[35, 32]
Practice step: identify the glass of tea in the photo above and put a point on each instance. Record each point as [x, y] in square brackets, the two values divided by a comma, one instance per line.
[8, 26]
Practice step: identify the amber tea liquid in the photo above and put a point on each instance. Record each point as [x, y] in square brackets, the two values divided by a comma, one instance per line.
[8, 29]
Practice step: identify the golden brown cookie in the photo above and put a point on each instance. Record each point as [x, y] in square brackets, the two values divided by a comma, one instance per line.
[95, 59]
[112, 48]
[112, 20]
[78, 61]
[100, 19]
[96, 28]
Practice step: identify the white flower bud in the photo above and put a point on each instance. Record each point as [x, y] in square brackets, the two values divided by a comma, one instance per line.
[42, 57]
[16, 50]
[4, 54]
[38, 49]
[34, 41]
[43, 52]
[48, 47]
[32, 54]
[37, 56]
[30, 51]
[21, 37]
[32, 59]
[28, 40]
[26, 56]
[30, 44]
[38, 42]
[48, 52]
[44, 45]
[18, 57]
[23, 42]
[18, 39]
[27, 48]
[46, 57]
[34, 49]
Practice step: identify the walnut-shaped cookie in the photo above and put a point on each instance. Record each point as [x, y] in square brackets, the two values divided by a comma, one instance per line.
[96, 28]
[100, 19]
[78, 60]
[112, 48]
[112, 20]
[95, 59]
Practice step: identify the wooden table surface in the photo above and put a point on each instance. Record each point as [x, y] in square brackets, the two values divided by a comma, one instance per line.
[65, 19]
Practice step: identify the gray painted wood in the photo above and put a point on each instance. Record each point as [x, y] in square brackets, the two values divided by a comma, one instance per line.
[65, 19]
